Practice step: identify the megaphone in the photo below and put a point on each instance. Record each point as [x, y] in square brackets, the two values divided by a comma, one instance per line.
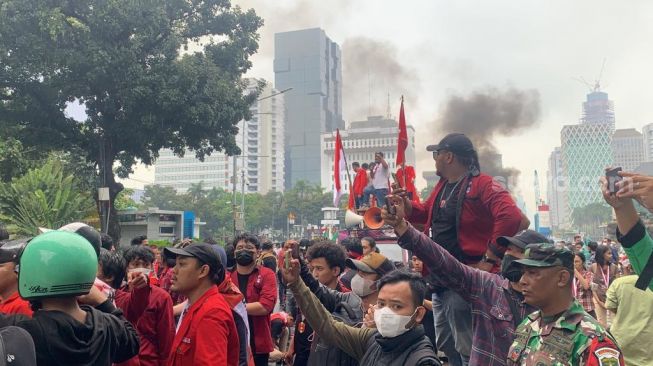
[372, 218]
[352, 219]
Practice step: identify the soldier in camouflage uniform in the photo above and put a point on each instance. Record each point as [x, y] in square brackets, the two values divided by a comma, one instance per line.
[561, 332]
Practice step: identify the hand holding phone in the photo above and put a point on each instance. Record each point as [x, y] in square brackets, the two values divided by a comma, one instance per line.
[287, 259]
[613, 177]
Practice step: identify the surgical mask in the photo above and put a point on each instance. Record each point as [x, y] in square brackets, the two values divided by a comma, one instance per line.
[244, 257]
[509, 269]
[389, 324]
[362, 286]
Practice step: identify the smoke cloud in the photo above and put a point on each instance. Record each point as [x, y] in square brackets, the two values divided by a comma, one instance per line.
[486, 114]
[371, 71]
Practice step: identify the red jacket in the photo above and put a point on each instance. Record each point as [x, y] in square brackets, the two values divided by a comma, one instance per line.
[485, 211]
[360, 181]
[155, 327]
[207, 334]
[15, 304]
[261, 287]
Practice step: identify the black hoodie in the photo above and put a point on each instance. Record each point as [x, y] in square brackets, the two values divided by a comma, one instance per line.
[104, 338]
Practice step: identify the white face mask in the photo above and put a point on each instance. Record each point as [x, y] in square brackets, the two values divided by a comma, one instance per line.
[362, 286]
[390, 324]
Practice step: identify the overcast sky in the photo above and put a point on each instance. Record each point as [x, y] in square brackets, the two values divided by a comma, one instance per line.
[432, 50]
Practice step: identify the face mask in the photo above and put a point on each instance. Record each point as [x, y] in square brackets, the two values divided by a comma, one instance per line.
[389, 324]
[509, 269]
[362, 286]
[244, 257]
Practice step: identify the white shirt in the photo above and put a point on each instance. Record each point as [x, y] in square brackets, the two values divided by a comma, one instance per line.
[381, 176]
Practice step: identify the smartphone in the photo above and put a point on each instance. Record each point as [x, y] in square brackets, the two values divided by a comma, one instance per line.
[613, 177]
[287, 259]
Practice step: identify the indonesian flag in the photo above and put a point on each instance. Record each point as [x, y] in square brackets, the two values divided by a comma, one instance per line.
[338, 168]
[402, 140]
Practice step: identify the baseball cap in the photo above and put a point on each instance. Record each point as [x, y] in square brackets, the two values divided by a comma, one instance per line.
[547, 255]
[10, 250]
[522, 239]
[203, 252]
[457, 143]
[17, 347]
[372, 263]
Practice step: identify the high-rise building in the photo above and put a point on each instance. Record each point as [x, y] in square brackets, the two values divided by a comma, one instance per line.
[310, 63]
[598, 109]
[261, 163]
[555, 189]
[628, 149]
[647, 133]
[361, 140]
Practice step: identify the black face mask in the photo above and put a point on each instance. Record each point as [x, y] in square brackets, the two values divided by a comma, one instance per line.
[244, 257]
[509, 269]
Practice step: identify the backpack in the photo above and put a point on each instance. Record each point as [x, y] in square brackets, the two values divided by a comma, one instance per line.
[16, 347]
[323, 354]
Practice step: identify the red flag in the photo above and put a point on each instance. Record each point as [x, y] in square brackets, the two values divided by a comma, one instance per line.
[338, 168]
[402, 140]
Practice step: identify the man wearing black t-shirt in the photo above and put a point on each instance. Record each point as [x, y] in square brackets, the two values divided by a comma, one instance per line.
[465, 214]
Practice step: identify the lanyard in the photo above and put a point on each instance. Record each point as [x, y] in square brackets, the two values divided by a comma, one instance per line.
[574, 286]
[606, 279]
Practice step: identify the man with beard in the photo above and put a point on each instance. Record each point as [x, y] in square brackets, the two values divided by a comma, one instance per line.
[496, 300]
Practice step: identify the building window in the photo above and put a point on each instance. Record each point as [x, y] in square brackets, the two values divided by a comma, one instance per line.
[166, 230]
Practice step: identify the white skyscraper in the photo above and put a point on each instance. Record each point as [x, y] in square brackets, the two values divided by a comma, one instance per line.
[628, 149]
[647, 133]
[360, 141]
[261, 163]
[555, 189]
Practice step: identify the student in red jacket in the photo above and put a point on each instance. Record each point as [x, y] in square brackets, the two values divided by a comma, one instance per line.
[259, 286]
[360, 181]
[156, 325]
[465, 214]
[10, 301]
[206, 332]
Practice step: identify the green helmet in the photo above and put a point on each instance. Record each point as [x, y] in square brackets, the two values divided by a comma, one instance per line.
[56, 264]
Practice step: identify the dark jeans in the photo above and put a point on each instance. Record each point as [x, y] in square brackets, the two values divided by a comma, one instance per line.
[453, 326]
[261, 359]
[380, 196]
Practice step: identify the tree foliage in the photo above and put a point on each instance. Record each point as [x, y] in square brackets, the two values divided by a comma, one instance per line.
[44, 197]
[149, 75]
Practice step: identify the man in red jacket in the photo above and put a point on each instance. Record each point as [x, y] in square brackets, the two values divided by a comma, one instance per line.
[360, 181]
[206, 332]
[259, 286]
[465, 214]
[156, 325]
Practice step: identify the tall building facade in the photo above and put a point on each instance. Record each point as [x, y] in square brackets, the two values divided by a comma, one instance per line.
[586, 149]
[261, 163]
[628, 149]
[555, 186]
[310, 63]
[647, 133]
[361, 140]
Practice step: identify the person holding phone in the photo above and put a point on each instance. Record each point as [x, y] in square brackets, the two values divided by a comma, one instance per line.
[380, 179]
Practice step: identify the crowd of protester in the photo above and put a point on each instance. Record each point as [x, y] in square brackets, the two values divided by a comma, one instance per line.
[479, 288]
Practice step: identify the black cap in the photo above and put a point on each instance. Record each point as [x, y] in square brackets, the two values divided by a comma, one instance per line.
[204, 252]
[522, 239]
[10, 250]
[457, 143]
[18, 346]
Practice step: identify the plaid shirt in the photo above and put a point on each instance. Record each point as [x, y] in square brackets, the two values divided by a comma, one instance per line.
[583, 296]
[489, 295]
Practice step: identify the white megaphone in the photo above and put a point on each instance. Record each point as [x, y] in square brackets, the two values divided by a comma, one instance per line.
[352, 219]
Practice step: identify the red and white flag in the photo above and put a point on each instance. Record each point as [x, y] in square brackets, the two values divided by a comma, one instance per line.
[338, 168]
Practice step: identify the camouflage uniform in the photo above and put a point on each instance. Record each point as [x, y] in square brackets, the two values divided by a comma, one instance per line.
[574, 338]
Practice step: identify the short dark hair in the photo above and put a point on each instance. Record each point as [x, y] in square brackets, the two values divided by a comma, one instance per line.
[138, 252]
[581, 256]
[210, 240]
[379, 153]
[332, 253]
[107, 241]
[231, 260]
[267, 245]
[593, 245]
[600, 251]
[138, 240]
[415, 281]
[247, 238]
[365, 166]
[4, 234]
[169, 260]
[113, 265]
[355, 164]
[353, 244]
[370, 240]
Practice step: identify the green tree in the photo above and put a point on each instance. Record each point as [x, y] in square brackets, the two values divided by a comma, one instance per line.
[163, 197]
[44, 197]
[124, 201]
[15, 160]
[588, 218]
[149, 75]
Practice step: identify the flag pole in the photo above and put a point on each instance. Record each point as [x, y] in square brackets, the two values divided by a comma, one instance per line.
[344, 156]
[403, 163]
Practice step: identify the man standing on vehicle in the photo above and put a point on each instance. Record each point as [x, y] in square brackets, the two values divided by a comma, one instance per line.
[465, 214]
